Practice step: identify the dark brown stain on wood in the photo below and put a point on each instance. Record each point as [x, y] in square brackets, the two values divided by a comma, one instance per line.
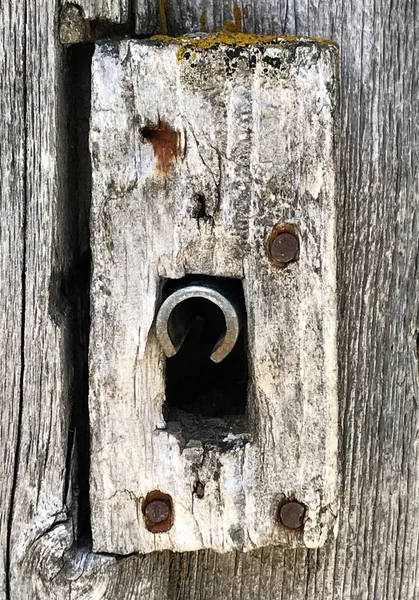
[166, 144]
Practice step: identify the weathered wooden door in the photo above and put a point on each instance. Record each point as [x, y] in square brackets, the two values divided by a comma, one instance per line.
[45, 169]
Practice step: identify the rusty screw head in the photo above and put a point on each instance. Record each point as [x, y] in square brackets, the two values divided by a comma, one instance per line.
[291, 514]
[283, 244]
[158, 512]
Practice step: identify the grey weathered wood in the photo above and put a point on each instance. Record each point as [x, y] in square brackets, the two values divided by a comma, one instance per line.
[114, 11]
[186, 16]
[240, 142]
[35, 199]
[376, 553]
[53, 569]
[183, 16]
[12, 210]
[149, 16]
[92, 19]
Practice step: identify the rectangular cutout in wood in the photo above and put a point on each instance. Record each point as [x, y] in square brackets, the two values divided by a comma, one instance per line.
[201, 326]
[214, 163]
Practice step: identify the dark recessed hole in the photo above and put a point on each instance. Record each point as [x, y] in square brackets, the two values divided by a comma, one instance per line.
[198, 391]
[199, 210]
[199, 490]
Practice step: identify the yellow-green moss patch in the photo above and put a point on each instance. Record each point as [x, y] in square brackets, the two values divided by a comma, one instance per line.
[229, 38]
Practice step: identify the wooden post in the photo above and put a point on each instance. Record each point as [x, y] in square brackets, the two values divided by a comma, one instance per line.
[235, 127]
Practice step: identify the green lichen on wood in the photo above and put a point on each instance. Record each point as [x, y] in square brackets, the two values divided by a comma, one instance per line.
[187, 43]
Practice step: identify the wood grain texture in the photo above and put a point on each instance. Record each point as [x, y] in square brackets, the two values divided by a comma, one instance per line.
[149, 17]
[54, 568]
[88, 20]
[209, 16]
[114, 11]
[12, 210]
[376, 553]
[236, 127]
[37, 431]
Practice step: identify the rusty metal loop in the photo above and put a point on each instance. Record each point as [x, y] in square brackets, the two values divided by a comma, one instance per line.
[173, 321]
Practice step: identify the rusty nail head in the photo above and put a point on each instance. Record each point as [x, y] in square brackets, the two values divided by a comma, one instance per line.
[291, 514]
[158, 512]
[283, 244]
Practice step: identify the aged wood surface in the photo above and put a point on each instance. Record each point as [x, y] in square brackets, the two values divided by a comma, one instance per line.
[376, 553]
[12, 210]
[34, 243]
[236, 127]
[94, 19]
[264, 17]
[89, 20]
[115, 11]
[185, 16]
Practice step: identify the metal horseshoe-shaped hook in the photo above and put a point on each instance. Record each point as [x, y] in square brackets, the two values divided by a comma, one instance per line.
[174, 319]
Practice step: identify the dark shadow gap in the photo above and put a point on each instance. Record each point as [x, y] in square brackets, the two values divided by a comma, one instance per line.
[79, 89]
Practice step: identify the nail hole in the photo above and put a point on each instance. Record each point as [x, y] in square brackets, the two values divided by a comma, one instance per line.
[199, 209]
[199, 490]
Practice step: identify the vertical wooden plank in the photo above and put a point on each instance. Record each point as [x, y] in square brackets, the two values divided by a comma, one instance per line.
[37, 251]
[12, 222]
[40, 477]
[209, 16]
[53, 570]
[266, 17]
[150, 16]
